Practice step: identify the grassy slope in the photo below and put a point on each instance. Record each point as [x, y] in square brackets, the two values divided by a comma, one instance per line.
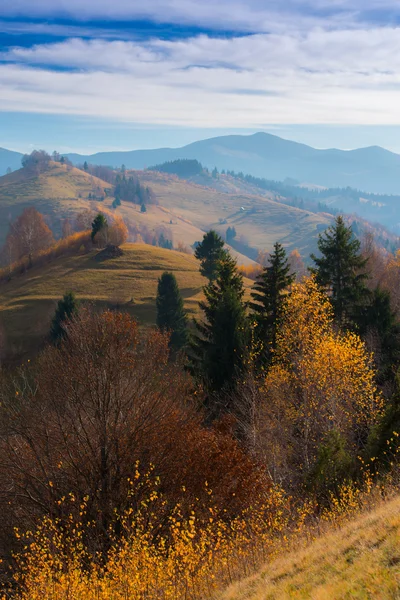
[54, 193]
[271, 221]
[62, 192]
[27, 303]
[360, 561]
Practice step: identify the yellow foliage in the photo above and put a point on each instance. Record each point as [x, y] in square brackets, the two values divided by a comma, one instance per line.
[321, 379]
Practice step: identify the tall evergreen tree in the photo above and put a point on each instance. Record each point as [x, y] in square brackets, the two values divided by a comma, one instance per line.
[170, 312]
[99, 223]
[267, 298]
[217, 351]
[210, 252]
[379, 320]
[66, 309]
[341, 269]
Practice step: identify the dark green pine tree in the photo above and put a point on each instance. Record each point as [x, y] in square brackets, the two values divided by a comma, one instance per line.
[217, 352]
[267, 298]
[170, 312]
[379, 320]
[341, 269]
[210, 252]
[66, 309]
[99, 223]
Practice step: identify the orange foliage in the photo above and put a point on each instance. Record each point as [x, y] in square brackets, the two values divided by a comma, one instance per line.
[250, 271]
[69, 245]
[28, 236]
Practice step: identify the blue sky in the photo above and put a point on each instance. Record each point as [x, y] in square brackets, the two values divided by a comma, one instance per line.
[98, 75]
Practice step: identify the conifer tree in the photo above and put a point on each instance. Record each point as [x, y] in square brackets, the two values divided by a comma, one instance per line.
[378, 319]
[66, 309]
[341, 269]
[99, 223]
[267, 298]
[170, 312]
[217, 351]
[210, 252]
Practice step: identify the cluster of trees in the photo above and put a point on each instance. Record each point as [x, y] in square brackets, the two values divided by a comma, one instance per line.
[182, 167]
[322, 344]
[30, 241]
[230, 234]
[36, 162]
[130, 190]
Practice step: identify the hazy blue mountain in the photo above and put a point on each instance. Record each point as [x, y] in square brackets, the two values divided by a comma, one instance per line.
[263, 155]
[9, 159]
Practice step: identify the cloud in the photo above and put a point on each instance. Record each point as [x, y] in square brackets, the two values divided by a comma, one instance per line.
[337, 76]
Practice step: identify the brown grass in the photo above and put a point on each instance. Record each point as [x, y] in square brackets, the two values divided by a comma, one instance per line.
[360, 561]
[27, 303]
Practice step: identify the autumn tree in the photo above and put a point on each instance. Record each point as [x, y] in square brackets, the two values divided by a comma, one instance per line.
[210, 252]
[94, 410]
[296, 264]
[171, 316]
[341, 269]
[29, 234]
[117, 232]
[67, 308]
[217, 351]
[267, 299]
[321, 380]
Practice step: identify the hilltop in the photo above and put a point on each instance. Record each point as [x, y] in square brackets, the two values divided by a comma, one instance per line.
[59, 192]
[360, 561]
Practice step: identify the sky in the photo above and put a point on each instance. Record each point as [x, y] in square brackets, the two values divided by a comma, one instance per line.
[91, 75]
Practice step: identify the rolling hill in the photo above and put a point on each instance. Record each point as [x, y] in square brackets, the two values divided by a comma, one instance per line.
[27, 303]
[186, 209]
[361, 561]
[370, 169]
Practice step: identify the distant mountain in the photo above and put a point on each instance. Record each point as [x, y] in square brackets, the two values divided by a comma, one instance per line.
[9, 159]
[263, 155]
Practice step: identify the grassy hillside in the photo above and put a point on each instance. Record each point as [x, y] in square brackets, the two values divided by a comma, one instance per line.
[27, 303]
[59, 192]
[262, 222]
[187, 209]
[360, 561]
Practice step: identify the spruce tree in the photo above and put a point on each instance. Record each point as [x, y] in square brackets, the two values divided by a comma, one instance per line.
[341, 270]
[379, 320]
[66, 309]
[99, 223]
[170, 313]
[210, 252]
[218, 348]
[267, 298]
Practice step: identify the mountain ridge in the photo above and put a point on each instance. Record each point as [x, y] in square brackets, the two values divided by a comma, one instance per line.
[371, 169]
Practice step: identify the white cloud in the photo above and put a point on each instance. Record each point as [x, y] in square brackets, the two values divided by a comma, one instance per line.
[315, 76]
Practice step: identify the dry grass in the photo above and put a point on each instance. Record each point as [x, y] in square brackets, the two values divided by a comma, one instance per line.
[55, 193]
[271, 221]
[361, 561]
[129, 283]
[27, 303]
[192, 208]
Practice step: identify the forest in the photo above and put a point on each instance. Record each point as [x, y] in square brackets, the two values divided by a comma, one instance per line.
[169, 461]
